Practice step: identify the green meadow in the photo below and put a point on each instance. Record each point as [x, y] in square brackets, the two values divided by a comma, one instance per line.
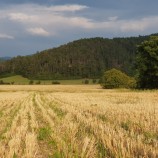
[20, 80]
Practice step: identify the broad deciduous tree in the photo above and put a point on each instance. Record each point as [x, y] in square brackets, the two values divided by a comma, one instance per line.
[147, 64]
[116, 79]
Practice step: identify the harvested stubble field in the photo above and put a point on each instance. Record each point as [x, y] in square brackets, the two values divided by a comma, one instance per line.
[77, 122]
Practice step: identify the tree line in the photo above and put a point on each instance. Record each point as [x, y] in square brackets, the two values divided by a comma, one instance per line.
[84, 58]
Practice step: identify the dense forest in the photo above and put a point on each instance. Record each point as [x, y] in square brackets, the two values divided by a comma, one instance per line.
[84, 58]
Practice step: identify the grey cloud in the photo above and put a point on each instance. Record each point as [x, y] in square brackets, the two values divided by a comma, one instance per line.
[28, 27]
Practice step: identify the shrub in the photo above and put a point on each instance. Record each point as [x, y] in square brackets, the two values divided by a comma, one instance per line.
[86, 81]
[55, 82]
[5, 83]
[38, 82]
[100, 81]
[12, 82]
[94, 81]
[1, 82]
[117, 79]
[31, 82]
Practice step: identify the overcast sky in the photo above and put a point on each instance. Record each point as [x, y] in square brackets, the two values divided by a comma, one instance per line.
[28, 26]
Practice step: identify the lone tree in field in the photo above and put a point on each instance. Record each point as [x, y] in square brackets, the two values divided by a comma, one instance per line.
[117, 79]
[147, 64]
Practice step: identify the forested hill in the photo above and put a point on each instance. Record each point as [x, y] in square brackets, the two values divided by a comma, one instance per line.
[79, 59]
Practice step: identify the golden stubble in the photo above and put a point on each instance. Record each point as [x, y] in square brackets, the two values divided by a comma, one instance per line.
[77, 121]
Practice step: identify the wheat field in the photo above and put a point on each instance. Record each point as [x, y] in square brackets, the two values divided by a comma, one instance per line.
[77, 122]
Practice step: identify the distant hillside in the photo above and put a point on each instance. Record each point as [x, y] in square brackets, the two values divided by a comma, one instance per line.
[4, 58]
[79, 59]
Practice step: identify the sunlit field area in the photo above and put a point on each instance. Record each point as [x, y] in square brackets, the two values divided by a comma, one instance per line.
[84, 121]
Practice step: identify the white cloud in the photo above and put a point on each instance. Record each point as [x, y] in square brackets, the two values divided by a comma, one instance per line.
[48, 17]
[22, 17]
[113, 18]
[66, 8]
[140, 25]
[52, 20]
[5, 36]
[38, 31]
